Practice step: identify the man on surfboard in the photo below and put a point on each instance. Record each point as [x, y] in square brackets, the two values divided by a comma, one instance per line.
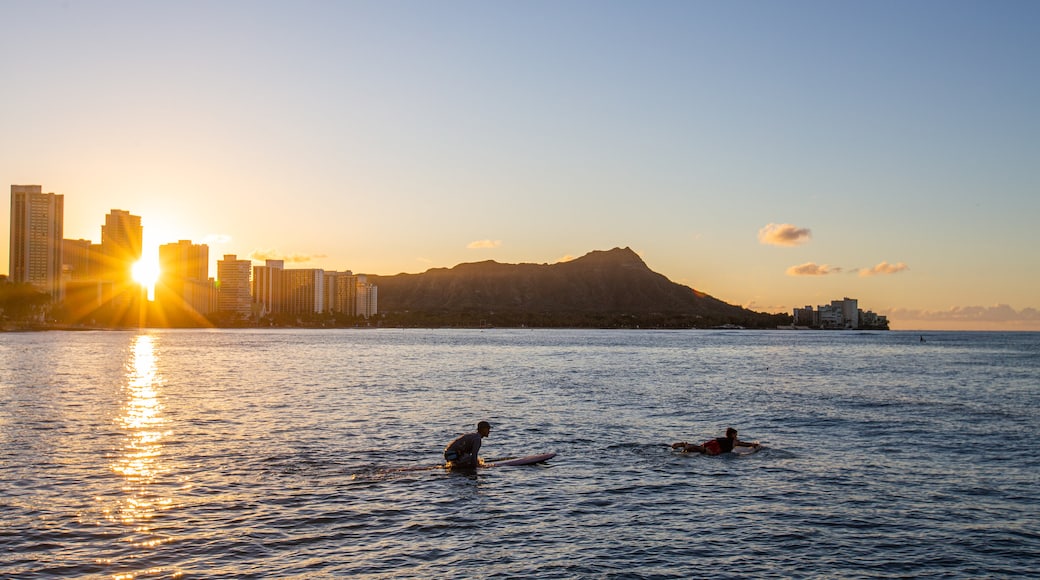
[715, 446]
[462, 452]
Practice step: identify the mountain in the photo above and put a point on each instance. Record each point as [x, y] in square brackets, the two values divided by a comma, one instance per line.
[612, 288]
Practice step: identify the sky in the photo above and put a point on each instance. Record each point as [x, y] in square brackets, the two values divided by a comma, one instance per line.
[771, 154]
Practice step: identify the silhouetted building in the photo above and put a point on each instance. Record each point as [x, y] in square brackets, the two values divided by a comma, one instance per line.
[184, 292]
[37, 223]
[121, 239]
[79, 259]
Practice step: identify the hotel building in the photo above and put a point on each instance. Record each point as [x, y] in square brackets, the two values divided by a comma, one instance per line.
[184, 287]
[233, 295]
[37, 223]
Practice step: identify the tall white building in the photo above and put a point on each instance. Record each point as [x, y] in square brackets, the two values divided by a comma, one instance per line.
[367, 297]
[37, 230]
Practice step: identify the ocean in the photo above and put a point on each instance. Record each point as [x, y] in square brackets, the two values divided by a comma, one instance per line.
[299, 454]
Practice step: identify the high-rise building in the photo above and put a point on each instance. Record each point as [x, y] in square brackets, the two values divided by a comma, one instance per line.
[121, 239]
[233, 286]
[268, 287]
[183, 289]
[184, 261]
[304, 291]
[367, 297]
[340, 292]
[296, 292]
[350, 294]
[37, 224]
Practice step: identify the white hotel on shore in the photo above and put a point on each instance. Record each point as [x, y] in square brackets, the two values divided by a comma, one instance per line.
[276, 290]
[839, 314]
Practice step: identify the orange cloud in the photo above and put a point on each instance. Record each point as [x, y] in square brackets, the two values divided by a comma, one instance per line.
[812, 269]
[883, 268]
[783, 235]
[484, 244]
[997, 313]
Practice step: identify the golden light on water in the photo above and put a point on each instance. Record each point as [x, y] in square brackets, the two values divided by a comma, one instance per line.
[140, 460]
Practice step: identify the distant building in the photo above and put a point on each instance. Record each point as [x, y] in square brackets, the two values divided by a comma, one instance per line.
[350, 294]
[805, 317]
[184, 290]
[308, 291]
[184, 260]
[233, 295]
[304, 291]
[367, 298]
[79, 261]
[839, 314]
[37, 224]
[121, 244]
[268, 288]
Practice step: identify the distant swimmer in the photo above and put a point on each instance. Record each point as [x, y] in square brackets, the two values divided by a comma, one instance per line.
[462, 452]
[717, 445]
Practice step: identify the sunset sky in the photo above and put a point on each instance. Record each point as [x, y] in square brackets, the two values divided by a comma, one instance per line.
[771, 154]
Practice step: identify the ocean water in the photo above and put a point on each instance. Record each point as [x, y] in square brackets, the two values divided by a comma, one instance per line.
[293, 454]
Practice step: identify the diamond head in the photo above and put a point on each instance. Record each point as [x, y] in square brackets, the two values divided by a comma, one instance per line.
[603, 289]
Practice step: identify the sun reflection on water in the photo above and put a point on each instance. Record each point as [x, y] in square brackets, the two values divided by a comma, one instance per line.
[139, 460]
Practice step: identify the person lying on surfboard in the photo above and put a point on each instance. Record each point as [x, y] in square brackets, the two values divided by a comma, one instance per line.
[715, 446]
[462, 452]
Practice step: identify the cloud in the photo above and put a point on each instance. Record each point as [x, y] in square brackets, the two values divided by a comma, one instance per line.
[783, 235]
[996, 313]
[882, 269]
[484, 244]
[566, 258]
[812, 269]
[771, 309]
[217, 239]
[264, 255]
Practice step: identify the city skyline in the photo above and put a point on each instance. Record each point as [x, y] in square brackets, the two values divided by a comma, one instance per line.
[771, 156]
[118, 283]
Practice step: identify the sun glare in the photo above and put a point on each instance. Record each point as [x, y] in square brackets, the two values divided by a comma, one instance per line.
[146, 272]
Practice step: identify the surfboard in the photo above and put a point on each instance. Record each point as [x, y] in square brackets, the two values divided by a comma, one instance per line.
[527, 460]
[746, 450]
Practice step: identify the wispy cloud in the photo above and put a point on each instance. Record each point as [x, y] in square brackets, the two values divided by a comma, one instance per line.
[783, 235]
[770, 308]
[884, 268]
[566, 258]
[264, 255]
[996, 313]
[484, 244]
[217, 239]
[813, 269]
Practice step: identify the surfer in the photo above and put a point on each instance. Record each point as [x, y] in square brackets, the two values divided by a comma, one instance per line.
[717, 445]
[462, 452]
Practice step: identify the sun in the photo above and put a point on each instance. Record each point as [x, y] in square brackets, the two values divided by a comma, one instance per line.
[146, 271]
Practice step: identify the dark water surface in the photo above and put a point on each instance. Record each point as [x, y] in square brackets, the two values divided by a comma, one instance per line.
[263, 454]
